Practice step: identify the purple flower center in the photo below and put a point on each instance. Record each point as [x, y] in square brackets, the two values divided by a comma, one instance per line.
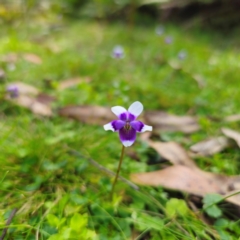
[118, 52]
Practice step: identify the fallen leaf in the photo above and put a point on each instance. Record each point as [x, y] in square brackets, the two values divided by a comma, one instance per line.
[173, 152]
[145, 136]
[232, 134]
[210, 146]
[178, 177]
[41, 109]
[25, 89]
[31, 103]
[235, 199]
[163, 121]
[32, 58]
[72, 82]
[88, 114]
[232, 118]
[30, 97]
[45, 99]
[10, 58]
[193, 181]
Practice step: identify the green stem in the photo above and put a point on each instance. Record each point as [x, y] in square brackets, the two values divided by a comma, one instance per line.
[118, 170]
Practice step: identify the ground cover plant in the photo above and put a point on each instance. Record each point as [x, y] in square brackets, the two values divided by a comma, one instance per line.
[56, 171]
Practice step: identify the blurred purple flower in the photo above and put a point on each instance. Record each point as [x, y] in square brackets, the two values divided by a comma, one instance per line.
[182, 54]
[168, 40]
[127, 126]
[118, 52]
[13, 91]
[159, 30]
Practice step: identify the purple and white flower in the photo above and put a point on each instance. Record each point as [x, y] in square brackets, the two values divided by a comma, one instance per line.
[127, 125]
[13, 91]
[182, 54]
[168, 40]
[118, 52]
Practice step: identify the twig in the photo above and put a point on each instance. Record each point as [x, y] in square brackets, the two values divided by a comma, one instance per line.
[14, 211]
[102, 168]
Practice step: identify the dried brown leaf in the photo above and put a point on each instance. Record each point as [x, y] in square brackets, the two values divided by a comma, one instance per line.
[25, 89]
[179, 177]
[163, 121]
[210, 146]
[235, 199]
[88, 114]
[232, 118]
[173, 152]
[193, 181]
[30, 98]
[10, 58]
[41, 109]
[72, 82]
[45, 98]
[32, 58]
[232, 134]
[32, 104]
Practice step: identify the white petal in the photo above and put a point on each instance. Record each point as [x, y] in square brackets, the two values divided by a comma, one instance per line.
[146, 128]
[108, 126]
[127, 143]
[136, 109]
[118, 110]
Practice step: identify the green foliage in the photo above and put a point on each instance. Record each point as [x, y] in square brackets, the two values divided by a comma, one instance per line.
[59, 192]
[210, 207]
[176, 207]
[75, 229]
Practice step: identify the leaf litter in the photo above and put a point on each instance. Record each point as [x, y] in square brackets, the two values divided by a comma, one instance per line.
[163, 122]
[184, 175]
[87, 114]
[32, 58]
[232, 135]
[30, 97]
[210, 146]
[172, 152]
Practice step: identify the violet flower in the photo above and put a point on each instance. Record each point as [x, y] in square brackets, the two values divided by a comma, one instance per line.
[168, 40]
[13, 91]
[118, 52]
[182, 55]
[127, 125]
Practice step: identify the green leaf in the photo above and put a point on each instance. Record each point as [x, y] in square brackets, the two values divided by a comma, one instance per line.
[53, 220]
[214, 211]
[210, 207]
[145, 221]
[176, 207]
[56, 237]
[78, 222]
[210, 199]
[221, 223]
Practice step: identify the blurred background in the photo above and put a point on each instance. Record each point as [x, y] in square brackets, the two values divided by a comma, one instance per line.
[219, 14]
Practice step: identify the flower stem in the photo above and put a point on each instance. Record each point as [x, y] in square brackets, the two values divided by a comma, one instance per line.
[118, 170]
